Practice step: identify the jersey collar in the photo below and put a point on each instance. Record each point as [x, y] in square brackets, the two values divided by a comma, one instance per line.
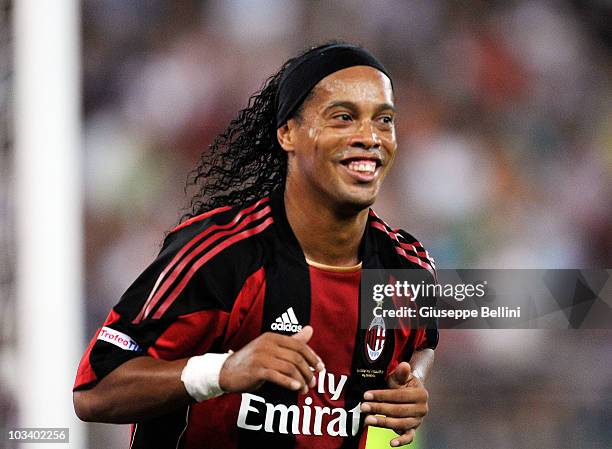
[367, 248]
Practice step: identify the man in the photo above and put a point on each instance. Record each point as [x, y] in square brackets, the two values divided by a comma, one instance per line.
[244, 331]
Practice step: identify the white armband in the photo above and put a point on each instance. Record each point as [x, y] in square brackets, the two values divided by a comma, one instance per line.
[201, 376]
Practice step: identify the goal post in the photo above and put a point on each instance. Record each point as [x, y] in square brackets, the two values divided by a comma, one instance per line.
[48, 206]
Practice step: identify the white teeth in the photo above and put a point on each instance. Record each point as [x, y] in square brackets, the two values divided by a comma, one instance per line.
[363, 166]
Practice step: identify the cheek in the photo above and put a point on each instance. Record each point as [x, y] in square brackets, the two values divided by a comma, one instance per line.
[390, 164]
[389, 144]
[330, 142]
[392, 153]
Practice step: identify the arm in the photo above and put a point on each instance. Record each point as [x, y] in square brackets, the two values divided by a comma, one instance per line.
[404, 403]
[140, 388]
[421, 364]
[144, 387]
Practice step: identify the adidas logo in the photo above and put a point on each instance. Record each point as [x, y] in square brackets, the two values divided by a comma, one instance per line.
[287, 322]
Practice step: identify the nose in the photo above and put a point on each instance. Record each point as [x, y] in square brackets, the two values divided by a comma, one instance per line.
[365, 137]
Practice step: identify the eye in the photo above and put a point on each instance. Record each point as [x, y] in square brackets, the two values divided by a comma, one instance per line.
[344, 117]
[387, 119]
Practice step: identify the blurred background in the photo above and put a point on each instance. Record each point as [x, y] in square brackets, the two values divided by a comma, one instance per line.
[505, 161]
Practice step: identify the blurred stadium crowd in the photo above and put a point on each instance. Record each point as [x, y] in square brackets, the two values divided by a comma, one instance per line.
[505, 161]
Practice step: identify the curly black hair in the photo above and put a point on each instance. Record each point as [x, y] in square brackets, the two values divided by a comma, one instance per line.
[245, 162]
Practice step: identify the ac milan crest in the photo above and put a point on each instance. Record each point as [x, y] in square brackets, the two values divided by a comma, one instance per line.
[375, 339]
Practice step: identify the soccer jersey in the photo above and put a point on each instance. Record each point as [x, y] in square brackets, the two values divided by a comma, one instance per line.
[225, 277]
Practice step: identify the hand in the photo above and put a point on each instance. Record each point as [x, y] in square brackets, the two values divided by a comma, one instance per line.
[284, 360]
[404, 405]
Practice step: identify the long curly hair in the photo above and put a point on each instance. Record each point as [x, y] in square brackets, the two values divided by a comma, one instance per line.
[245, 161]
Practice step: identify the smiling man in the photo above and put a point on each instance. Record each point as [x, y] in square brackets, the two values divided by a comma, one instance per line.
[244, 332]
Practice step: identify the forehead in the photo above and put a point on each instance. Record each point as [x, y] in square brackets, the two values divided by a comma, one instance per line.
[356, 84]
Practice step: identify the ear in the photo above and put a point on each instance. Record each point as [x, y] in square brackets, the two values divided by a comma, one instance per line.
[286, 135]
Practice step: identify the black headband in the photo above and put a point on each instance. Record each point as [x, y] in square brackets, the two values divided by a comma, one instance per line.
[306, 71]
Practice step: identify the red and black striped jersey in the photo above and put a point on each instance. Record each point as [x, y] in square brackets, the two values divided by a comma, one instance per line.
[229, 275]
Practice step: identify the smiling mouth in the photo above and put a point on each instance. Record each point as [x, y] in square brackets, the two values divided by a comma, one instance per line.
[363, 166]
[361, 169]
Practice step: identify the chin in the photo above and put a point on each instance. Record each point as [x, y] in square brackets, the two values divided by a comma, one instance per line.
[358, 201]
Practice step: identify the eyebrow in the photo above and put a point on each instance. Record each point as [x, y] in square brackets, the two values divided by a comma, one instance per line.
[352, 106]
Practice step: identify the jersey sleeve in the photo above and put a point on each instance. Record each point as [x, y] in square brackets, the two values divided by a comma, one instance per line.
[427, 334]
[176, 308]
[427, 338]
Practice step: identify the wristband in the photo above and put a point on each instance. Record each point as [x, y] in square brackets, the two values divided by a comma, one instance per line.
[419, 375]
[201, 376]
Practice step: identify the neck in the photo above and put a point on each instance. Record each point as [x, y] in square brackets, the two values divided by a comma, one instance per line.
[325, 235]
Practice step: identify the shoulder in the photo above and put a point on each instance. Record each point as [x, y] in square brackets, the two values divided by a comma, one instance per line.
[229, 219]
[404, 246]
[219, 248]
[212, 232]
[203, 263]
